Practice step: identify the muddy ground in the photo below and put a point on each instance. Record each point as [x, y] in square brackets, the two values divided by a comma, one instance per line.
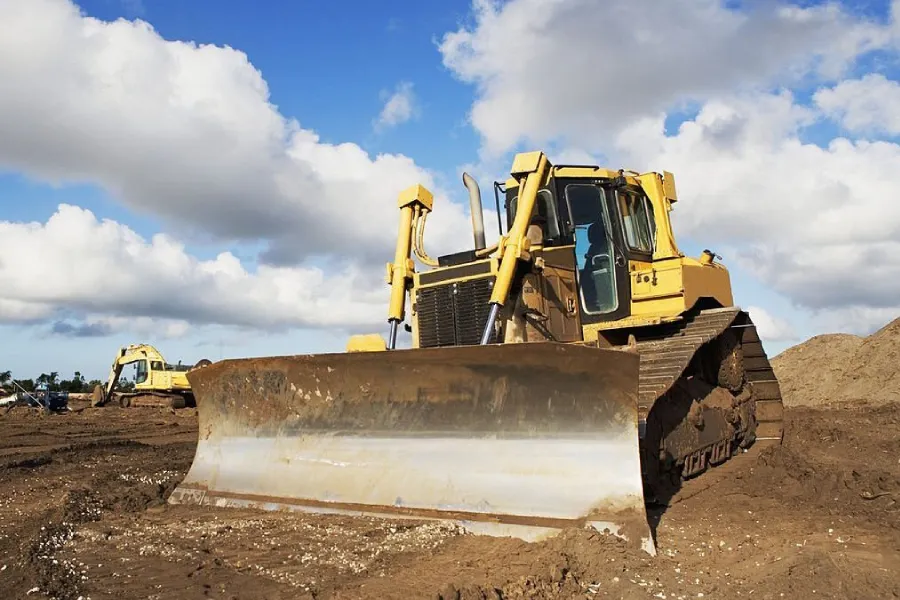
[83, 515]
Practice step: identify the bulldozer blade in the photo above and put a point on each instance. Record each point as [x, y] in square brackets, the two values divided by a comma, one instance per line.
[518, 440]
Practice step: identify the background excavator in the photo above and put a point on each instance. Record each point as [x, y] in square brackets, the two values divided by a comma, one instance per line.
[567, 376]
[157, 383]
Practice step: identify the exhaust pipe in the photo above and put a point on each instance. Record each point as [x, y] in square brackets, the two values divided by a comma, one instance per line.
[477, 212]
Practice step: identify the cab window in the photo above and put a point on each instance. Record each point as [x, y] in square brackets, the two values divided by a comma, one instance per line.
[545, 212]
[635, 222]
[651, 219]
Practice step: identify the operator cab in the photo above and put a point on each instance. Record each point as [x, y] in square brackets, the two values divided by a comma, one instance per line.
[606, 223]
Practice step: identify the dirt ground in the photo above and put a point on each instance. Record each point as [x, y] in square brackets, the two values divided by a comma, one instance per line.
[83, 515]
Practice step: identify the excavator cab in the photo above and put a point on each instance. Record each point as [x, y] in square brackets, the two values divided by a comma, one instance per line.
[559, 378]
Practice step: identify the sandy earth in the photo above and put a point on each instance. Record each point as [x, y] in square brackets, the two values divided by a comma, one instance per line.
[841, 368]
[82, 515]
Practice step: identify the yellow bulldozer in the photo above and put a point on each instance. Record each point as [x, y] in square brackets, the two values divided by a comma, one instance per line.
[156, 382]
[567, 376]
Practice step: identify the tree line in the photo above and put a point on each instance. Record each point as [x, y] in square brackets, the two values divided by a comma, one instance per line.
[76, 385]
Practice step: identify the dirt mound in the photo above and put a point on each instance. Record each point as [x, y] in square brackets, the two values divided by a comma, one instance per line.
[840, 368]
[873, 373]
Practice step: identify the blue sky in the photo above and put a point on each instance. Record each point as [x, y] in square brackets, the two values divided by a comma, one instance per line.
[333, 66]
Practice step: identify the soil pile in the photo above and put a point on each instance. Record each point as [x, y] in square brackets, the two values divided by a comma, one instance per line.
[842, 368]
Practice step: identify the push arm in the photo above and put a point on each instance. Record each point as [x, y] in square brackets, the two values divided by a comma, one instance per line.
[533, 166]
[412, 200]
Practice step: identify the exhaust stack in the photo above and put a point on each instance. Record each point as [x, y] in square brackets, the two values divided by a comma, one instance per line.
[477, 212]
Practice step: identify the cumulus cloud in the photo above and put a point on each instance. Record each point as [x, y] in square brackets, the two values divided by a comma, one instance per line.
[17, 311]
[811, 222]
[770, 327]
[548, 70]
[75, 262]
[870, 105]
[399, 107]
[188, 133]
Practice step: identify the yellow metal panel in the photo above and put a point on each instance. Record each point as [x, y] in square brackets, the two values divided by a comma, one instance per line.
[669, 187]
[584, 173]
[526, 162]
[416, 193]
[707, 282]
[370, 342]
[590, 331]
[661, 279]
[671, 306]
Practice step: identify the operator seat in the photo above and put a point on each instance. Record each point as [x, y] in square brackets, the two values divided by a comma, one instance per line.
[596, 276]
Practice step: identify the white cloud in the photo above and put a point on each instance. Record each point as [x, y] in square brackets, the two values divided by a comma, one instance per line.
[103, 269]
[578, 70]
[870, 105]
[813, 223]
[858, 320]
[399, 107]
[187, 132]
[770, 327]
[17, 311]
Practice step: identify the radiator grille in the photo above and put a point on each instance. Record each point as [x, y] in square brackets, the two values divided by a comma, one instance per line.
[454, 314]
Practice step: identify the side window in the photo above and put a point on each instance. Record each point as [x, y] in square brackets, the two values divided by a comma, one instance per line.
[157, 366]
[545, 207]
[635, 222]
[651, 218]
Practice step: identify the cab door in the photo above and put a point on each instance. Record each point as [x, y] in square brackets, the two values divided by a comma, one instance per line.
[141, 374]
[601, 262]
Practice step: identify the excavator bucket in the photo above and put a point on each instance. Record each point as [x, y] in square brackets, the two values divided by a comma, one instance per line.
[520, 440]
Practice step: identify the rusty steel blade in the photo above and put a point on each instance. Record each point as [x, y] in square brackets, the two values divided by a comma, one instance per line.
[519, 439]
